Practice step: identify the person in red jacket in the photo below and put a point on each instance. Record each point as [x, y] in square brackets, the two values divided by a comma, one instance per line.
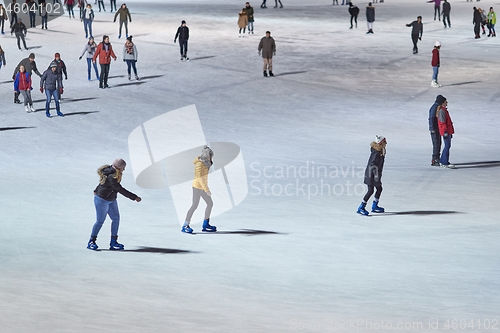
[435, 65]
[22, 85]
[105, 52]
[446, 130]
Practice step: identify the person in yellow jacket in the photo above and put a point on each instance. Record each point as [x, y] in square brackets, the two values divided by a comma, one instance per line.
[202, 165]
[492, 20]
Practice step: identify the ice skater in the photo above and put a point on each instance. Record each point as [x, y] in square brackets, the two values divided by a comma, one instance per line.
[105, 52]
[267, 47]
[29, 65]
[416, 32]
[3, 17]
[242, 21]
[249, 11]
[435, 62]
[130, 57]
[69, 7]
[90, 49]
[492, 20]
[32, 10]
[2, 57]
[370, 17]
[20, 29]
[476, 20]
[437, 8]
[22, 85]
[124, 15]
[354, 11]
[446, 13]
[276, 3]
[88, 19]
[183, 35]
[446, 130]
[44, 14]
[373, 175]
[202, 165]
[50, 81]
[105, 202]
[434, 131]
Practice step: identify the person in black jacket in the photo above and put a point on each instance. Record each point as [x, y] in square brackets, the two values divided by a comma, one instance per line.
[476, 20]
[50, 81]
[373, 175]
[30, 66]
[446, 13]
[434, 130]
[354, 11]
[20, 29]
[370, 17]
[105, 202]
[416, 32]
[183, 35]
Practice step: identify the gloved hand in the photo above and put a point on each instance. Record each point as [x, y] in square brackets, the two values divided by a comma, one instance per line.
[376, 177]
[175, 41]
[14, 77]
[114, 21]
[61, 90]
[41, 90]
[420, 38]
[124, 60]
[80, 58]
[259, 52]
[445, 135]
[66, 77]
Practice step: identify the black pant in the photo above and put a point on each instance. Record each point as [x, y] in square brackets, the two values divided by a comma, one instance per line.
[477, 28]
[20, 36]
[2, 22]
[113, 4]
[263, 4]
[103, 79]
[437, 9]
[276, 2]
[183, 44]
[32, 19]
[355, 17]
[446, 17]
[414, 38]
[370, 192]
[436, 145]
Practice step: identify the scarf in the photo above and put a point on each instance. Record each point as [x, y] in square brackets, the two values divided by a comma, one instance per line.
[129, 46]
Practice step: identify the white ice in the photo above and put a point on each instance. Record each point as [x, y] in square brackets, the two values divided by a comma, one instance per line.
[316, 265]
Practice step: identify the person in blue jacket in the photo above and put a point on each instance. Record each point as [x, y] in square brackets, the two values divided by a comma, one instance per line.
[434, 130]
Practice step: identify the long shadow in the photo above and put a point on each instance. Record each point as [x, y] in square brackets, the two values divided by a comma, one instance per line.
[461, 83]
[485, 164]
[69, 100]
[115, 76]
[127, 84]
[420, 212]
[246, 232]
[14, 128]
[4, 82]
[78, 113]
[290, 73]
[61, 32]
[148, 249]
[200, 58]
[151, 77]
[34, 47]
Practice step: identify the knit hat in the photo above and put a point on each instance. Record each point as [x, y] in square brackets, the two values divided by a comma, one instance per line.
[57, 55]
[129, 38]
[32, 56]
[206, 156]
[379, 139]
[440, 99]
[437, 44]
[119, 164]
[183, 22]
[53, 64]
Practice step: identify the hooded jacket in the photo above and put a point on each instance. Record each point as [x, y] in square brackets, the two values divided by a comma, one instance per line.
[51, 80]
[444, 122]
[200, 175]
[109, 186]
[373, 172]
[268, 47]
[22, 81]
[370, 14]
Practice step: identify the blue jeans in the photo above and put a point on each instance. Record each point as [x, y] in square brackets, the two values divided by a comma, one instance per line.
[49, 94]
[250, 26]
[89, 68]
[435, 72]
[183, 44]
[126, 27]
[44, 21]
[87, 26]
[445, 155]
[32, 19]
[102, 209]
[131, 63]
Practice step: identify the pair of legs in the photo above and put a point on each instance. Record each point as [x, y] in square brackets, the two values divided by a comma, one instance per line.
[250, 26]
[197, 194]
[435, 72]
[445, 156]
[276, 4]
[263, 5]
[131, 64]
[436, 146]
[414, 39]
[20, 36]
[52, 94]
[268, 64]
[375, 207]
[355, 18]
[126, 28]
[89, 68]
[477, 29]
[491, 28]
[87, 26]
[183, 45]
[113, 4]
[370, 26]
[44, 21]
[446, 18]
[437, 10]
[243, 30]
[32, 19]
[101, 3]
[70, 11]
[102, 209]
[103, 79]
[27, 97]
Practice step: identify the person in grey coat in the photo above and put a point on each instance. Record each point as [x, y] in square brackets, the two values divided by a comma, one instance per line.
[130, 56]
[370, 17]
[49, 82]
[267, 47]
[90, 48]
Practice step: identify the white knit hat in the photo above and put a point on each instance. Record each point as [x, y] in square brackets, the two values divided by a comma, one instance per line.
[379, 139]
[437, 43]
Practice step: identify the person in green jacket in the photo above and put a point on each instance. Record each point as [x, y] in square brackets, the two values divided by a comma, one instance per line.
[124, 13]
[249, 11]
[492, 20]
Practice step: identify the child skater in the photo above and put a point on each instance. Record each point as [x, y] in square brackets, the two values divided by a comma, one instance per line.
[200, 189]
[373, 175]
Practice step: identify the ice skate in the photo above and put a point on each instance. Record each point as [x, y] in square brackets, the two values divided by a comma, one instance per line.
[361, 209]
[32, 108]
[435, 84]
[376, 208]
[114, 245]
[207, 227]
[137, 78]
[448, 166]
[27, 108]
[265, 74]
[271, 73]
[435, 162]
[60, 114]
[187, 229]
[91, 245]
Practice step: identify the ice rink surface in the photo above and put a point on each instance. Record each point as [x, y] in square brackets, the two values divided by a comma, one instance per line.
[294, 261]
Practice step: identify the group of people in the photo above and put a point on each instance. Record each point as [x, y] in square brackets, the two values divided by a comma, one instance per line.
[480, 20]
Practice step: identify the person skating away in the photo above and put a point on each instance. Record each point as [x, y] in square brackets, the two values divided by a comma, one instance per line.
[49, 82]
[370, 17]
[183, 35]
[267, 47]
[32, 10]
[22, 85]
[202, 165]
[492, 20]
[476, 20]
[354, 11]
[101, 4]
[81, 7]
[276, 3]
[69, 7]
[242, 22]
[30, 66]
[373, 175]
[20, 30]
[3, 17]
[446, 130]
[124, 15]
[484, 20]
[44, 14]
[437, 8]
[2, 57]
[15, 8]
[130, 56]
[416, 32]
[249, 11]
[104, 52]
[435, 62]
[263, 5]
[446, 13]
[112, 3]
[105, 195]
[90, 49]
[434, 131]
[88, 19]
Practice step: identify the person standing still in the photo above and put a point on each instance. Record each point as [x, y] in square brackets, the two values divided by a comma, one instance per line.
[435, 62]
[267, 47]
[354, 11]
[49, 82]
[476, 20]
[370, 17]
[88, 18]
[112, 3]
[183, 35]
[446, 130]
[105, 52]
[124, 15]
[434, 131]
[492, 20]
[3, 17]
[446, 13]
[249, 11]
[44, 14]
[29, 65]
[437, 8]
[242, 21]
[416, 32]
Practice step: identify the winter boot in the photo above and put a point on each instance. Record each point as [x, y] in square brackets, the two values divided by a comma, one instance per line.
[376, 208]
[207, 227]
[32, 108]
[91, 244]
[27, 108]
[186, 228]
[362, 210]
[47, 114]
[114, 245]
[129, 78]
[60, 114]
[271, 73]
[137, 77]
[265, 73]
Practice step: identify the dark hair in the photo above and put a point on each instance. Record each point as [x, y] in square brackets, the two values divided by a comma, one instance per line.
[419, 17]
[268, 32]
